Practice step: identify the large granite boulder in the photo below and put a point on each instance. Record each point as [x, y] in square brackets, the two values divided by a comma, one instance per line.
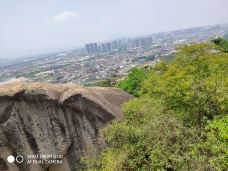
[53, 119]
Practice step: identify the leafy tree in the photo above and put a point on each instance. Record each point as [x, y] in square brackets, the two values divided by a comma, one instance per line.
[132, 84]
[210, 152]
[217, 41]
[222, 43]
[193, 85]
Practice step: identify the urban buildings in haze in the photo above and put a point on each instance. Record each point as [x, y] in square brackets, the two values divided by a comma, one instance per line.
[103, 59]
[150, 40]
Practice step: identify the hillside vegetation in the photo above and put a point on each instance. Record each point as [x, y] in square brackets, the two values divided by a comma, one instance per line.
[178, 119]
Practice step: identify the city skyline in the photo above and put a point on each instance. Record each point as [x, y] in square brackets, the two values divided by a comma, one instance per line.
[128, 42]
[100, 60]
[139, 41]
[30, 27]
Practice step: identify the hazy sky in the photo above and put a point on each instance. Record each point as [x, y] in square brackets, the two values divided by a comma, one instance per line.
[35, 26]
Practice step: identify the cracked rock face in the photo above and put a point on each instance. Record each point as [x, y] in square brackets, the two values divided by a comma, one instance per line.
[57, 119]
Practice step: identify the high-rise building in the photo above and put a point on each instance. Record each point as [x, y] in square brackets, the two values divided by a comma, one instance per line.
[87, 48]
[99, 48]
[142, 42]
[103, 48]
[137, 44]
[91, 48]
[108, 46]
[95, 47]
[148, 41]
[120, 44]
[114, 45]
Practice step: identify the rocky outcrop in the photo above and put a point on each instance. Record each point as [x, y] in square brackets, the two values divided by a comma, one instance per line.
[53, 119]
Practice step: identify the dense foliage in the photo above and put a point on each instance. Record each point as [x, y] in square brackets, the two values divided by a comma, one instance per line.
[179, 121]
[132, 84]
[222, 43]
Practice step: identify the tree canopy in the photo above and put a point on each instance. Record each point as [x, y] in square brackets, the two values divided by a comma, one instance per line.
[178, 119]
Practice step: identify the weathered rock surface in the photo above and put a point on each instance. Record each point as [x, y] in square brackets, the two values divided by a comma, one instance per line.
[60, 119]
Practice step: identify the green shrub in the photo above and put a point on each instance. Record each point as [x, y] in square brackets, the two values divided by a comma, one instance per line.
[133, 83]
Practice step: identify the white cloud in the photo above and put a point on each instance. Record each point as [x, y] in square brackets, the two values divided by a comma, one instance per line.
[65, 16]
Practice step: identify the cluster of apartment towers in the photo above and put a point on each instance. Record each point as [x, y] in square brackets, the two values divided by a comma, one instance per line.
[94, 48]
